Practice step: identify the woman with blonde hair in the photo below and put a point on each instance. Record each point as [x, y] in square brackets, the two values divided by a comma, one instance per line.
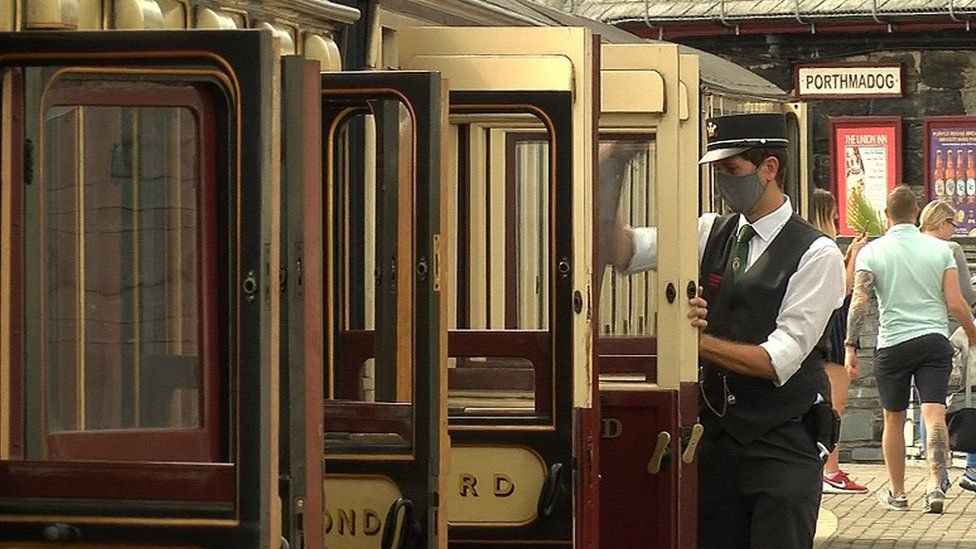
[938, 220]
[824, 218]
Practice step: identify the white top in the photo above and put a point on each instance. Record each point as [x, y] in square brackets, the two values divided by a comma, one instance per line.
[812, 293]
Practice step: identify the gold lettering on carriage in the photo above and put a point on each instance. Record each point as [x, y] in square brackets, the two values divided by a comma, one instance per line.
[502, 485]
[611, 427]
[494, 484]
[345, 522]
[355, 509]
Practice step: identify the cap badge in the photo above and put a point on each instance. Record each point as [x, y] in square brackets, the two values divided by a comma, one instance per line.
[710, 128]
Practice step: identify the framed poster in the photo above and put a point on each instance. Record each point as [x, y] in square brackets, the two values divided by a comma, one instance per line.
[950, 166]
[865, 160]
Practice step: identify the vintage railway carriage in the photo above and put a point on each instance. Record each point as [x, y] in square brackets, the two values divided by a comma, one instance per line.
[251, 300]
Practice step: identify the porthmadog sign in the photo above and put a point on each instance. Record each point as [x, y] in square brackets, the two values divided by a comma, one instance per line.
[847, 80]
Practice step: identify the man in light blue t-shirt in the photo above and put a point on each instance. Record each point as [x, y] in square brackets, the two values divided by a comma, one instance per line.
[915, 279]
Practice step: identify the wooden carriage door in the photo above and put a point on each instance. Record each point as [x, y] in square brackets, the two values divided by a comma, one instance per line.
[646, 349]
[521, 116]
[385, 420]
[139, 399]
[302, 355]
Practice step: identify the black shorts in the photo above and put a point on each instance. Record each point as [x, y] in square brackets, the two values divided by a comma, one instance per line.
[928, 358]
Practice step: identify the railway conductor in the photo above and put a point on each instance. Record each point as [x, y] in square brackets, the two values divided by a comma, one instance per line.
[770, 281]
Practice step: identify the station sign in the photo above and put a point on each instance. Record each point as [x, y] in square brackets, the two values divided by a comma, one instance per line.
[847, 80]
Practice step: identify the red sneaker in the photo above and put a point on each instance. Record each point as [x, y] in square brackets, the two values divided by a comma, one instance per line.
[840, 483]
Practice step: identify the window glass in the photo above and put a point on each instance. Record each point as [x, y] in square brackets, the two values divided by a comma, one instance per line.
[120, 268]
[627, 302]
[500, 366]
[372, 380]
[119, 328]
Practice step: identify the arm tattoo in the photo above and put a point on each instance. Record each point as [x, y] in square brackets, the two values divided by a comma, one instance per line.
[863, 287]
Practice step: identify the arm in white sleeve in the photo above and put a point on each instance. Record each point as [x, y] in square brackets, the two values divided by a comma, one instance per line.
[645, 244]
[812, 293]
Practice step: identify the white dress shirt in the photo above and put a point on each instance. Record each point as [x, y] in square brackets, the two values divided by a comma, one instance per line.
[812, 293]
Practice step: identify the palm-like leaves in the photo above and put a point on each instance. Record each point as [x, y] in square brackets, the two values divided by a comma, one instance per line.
[861, 216]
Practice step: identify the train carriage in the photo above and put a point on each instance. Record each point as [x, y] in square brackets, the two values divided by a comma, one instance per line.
[250, 300]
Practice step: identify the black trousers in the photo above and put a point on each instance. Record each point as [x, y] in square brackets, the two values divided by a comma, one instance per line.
[764, 495]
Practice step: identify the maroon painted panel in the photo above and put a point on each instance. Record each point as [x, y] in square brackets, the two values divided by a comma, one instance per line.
[638, 510]
[688, 473]
[628, 355]
[118, 480]
[126, 445]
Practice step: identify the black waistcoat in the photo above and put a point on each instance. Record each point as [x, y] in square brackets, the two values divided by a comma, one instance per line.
[746, 312]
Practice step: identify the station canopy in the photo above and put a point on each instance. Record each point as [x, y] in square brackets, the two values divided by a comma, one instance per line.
[732, 11]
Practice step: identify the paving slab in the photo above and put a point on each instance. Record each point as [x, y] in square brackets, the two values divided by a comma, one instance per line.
[858, 521]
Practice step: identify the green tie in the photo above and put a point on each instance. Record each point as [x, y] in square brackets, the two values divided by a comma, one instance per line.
[740, 255]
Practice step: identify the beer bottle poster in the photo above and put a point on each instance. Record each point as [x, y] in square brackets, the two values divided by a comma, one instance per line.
[950, 160]
[866, 163]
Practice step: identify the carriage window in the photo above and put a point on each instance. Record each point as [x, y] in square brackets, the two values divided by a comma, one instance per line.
[500, 366]
[119, 277]
[371, 383]
[627, 302]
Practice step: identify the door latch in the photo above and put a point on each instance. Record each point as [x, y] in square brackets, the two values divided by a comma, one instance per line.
[689, 440]
[660, 451]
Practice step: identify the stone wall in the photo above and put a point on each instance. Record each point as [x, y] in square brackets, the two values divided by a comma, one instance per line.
[862, 423]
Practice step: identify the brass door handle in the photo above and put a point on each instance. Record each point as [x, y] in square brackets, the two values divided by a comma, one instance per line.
[660, 450]
[691, 446]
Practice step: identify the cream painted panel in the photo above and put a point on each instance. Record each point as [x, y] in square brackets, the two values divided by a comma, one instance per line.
[677, 263]
[477, 231]
[480, 72]
[50, 14]
[355, 508]
[628, 57]
[449, 224]
[498, 264]
[494, 485]
[369, 205]
[175, 14]
[631, 91]
[137, 15]
[284, 35]
[684, 111]
[687, 206]
[7, 15]
[91, 15]
[213, 19]
[324, 49]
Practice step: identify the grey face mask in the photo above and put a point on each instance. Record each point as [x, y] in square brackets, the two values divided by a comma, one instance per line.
[741, 192]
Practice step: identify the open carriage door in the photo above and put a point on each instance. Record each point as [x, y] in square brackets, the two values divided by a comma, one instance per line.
[523, 119]
[385, 418]
[302, 378]
[138, 378]
[647, 349]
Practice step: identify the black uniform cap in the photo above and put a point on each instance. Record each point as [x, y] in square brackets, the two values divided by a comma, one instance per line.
[736, 133]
